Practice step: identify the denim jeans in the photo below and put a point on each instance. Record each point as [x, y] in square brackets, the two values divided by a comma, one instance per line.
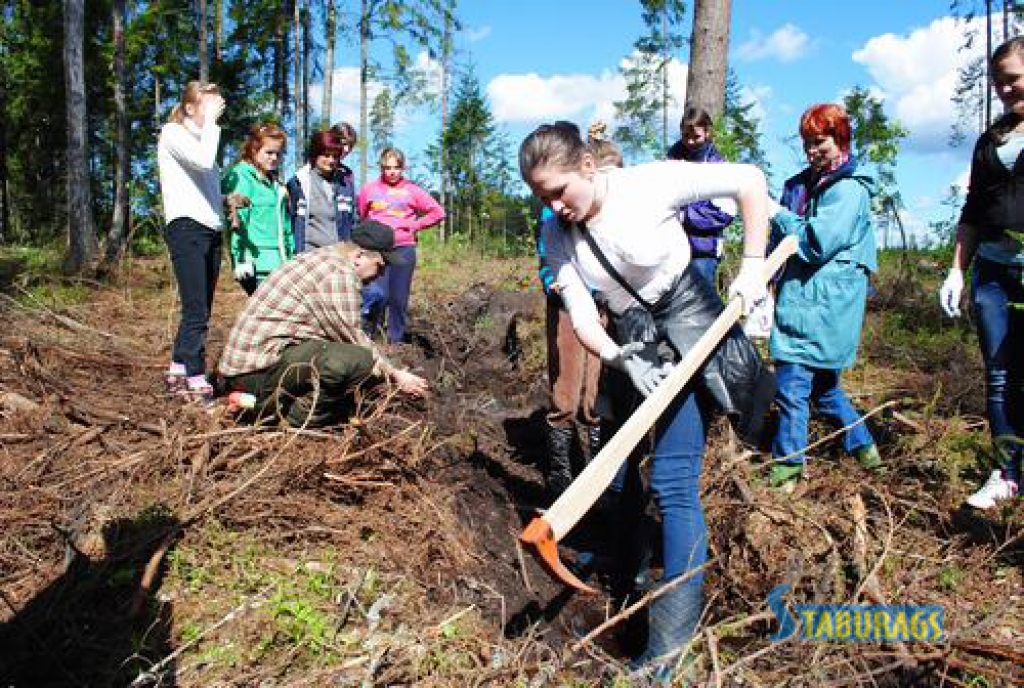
[390, 291]
[195, 256]
[1001, 336]
[675, 482]
[798, 387]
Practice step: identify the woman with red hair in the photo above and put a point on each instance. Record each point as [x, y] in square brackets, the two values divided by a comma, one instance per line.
[261, 231]
[822, 293]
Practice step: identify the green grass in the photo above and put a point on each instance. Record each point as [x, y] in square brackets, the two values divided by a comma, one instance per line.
[298, 618]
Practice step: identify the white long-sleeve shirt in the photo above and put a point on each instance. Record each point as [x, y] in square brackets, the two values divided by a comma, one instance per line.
[638, 230]
[189, 176]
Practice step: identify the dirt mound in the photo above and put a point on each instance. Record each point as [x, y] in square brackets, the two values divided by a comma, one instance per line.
[149, 541]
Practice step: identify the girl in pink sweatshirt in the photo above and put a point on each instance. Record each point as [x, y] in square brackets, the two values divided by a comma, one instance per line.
[406, 208]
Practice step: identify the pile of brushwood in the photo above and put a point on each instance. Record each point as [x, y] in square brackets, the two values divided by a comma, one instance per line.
[149, 541]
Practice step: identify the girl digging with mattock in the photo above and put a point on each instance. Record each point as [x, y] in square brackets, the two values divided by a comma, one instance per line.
[620, 235]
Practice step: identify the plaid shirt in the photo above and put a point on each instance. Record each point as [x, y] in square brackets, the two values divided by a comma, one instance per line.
[317, 295]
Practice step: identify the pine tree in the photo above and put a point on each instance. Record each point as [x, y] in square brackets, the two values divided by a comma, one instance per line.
[643, 113]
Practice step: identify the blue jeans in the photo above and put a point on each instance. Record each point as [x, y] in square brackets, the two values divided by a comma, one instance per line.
[1001, 336]
[195, 256]
[798, 386]
[391, 291]
[675, 482]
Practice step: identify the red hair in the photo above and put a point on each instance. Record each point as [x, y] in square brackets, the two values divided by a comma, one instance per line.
[827, 119]
[324, 142]
[257, 135]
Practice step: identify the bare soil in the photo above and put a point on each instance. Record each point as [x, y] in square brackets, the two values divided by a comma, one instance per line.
[148, 541]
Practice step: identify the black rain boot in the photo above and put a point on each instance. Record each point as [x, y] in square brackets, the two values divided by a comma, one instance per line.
[595, 440]
[559, 474]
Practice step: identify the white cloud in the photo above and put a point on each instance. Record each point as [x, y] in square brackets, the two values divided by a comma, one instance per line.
[344, 95]
[477, 33]
[531, 98]
[528, 98]
[916, 73]
[345, 91]
[788, 43]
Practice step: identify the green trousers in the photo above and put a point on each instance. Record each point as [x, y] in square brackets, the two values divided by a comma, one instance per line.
[311, 385]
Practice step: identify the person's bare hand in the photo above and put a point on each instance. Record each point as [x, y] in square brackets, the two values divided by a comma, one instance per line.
[411, 384]
[234, 201]
[237, 200]
[213, 106]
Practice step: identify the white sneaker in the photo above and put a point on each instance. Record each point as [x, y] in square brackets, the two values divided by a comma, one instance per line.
[996, 489]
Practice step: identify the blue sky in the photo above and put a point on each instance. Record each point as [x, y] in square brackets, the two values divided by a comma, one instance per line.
[560, 59]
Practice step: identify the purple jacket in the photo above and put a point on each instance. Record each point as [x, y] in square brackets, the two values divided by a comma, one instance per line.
[703, 221]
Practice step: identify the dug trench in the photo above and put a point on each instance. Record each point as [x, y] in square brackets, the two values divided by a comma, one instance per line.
[149, 541]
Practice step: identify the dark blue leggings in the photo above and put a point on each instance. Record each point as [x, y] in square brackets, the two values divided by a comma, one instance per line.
[195, 256]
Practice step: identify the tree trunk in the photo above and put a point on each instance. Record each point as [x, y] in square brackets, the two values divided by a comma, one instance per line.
[204, 57]
[332, 29]
[157, 96]
[218, 33]
[115, 242]
[665, 59]
[364, 73]
[5, 202]
[300, 134]
[306, 49]
[446, 65]
[709, 47]
[82, 243]
[988, 55]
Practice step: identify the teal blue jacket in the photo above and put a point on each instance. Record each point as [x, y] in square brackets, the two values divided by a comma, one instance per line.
[264, 236]
[820, 301]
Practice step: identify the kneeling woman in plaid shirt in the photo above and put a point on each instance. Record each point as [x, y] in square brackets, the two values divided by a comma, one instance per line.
[298, 344]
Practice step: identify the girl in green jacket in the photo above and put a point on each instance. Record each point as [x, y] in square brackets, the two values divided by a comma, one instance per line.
[260, 229]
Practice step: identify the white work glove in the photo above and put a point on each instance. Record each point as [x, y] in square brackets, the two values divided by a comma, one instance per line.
[759, 322]
[645, 374]
[244, 271]
[749, 284]
[951, 291]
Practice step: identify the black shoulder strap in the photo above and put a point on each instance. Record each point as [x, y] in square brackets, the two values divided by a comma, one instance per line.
[608, 267]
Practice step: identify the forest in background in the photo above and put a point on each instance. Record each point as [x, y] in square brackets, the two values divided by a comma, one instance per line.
[86, 84]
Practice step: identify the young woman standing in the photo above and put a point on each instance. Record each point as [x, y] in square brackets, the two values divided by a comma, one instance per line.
[260, 229]
[322, 201]
[193, 212]
[397, 202]
[621, 237]
[704, 221]
[990, 235]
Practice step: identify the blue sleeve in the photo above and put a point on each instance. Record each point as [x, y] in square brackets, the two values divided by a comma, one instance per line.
[705, 217]
[545, 270]
[833, 225]
[298, 223]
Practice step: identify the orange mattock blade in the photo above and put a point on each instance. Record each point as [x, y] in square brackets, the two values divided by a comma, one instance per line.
[538, 533]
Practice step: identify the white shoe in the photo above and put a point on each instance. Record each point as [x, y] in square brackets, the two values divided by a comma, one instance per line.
[996, 489]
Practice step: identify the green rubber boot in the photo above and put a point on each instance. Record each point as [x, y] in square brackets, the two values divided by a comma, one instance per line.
[784, 476]
[868, 457]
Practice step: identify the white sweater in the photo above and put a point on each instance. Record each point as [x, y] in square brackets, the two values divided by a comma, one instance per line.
[638, 229]
[189, 175]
